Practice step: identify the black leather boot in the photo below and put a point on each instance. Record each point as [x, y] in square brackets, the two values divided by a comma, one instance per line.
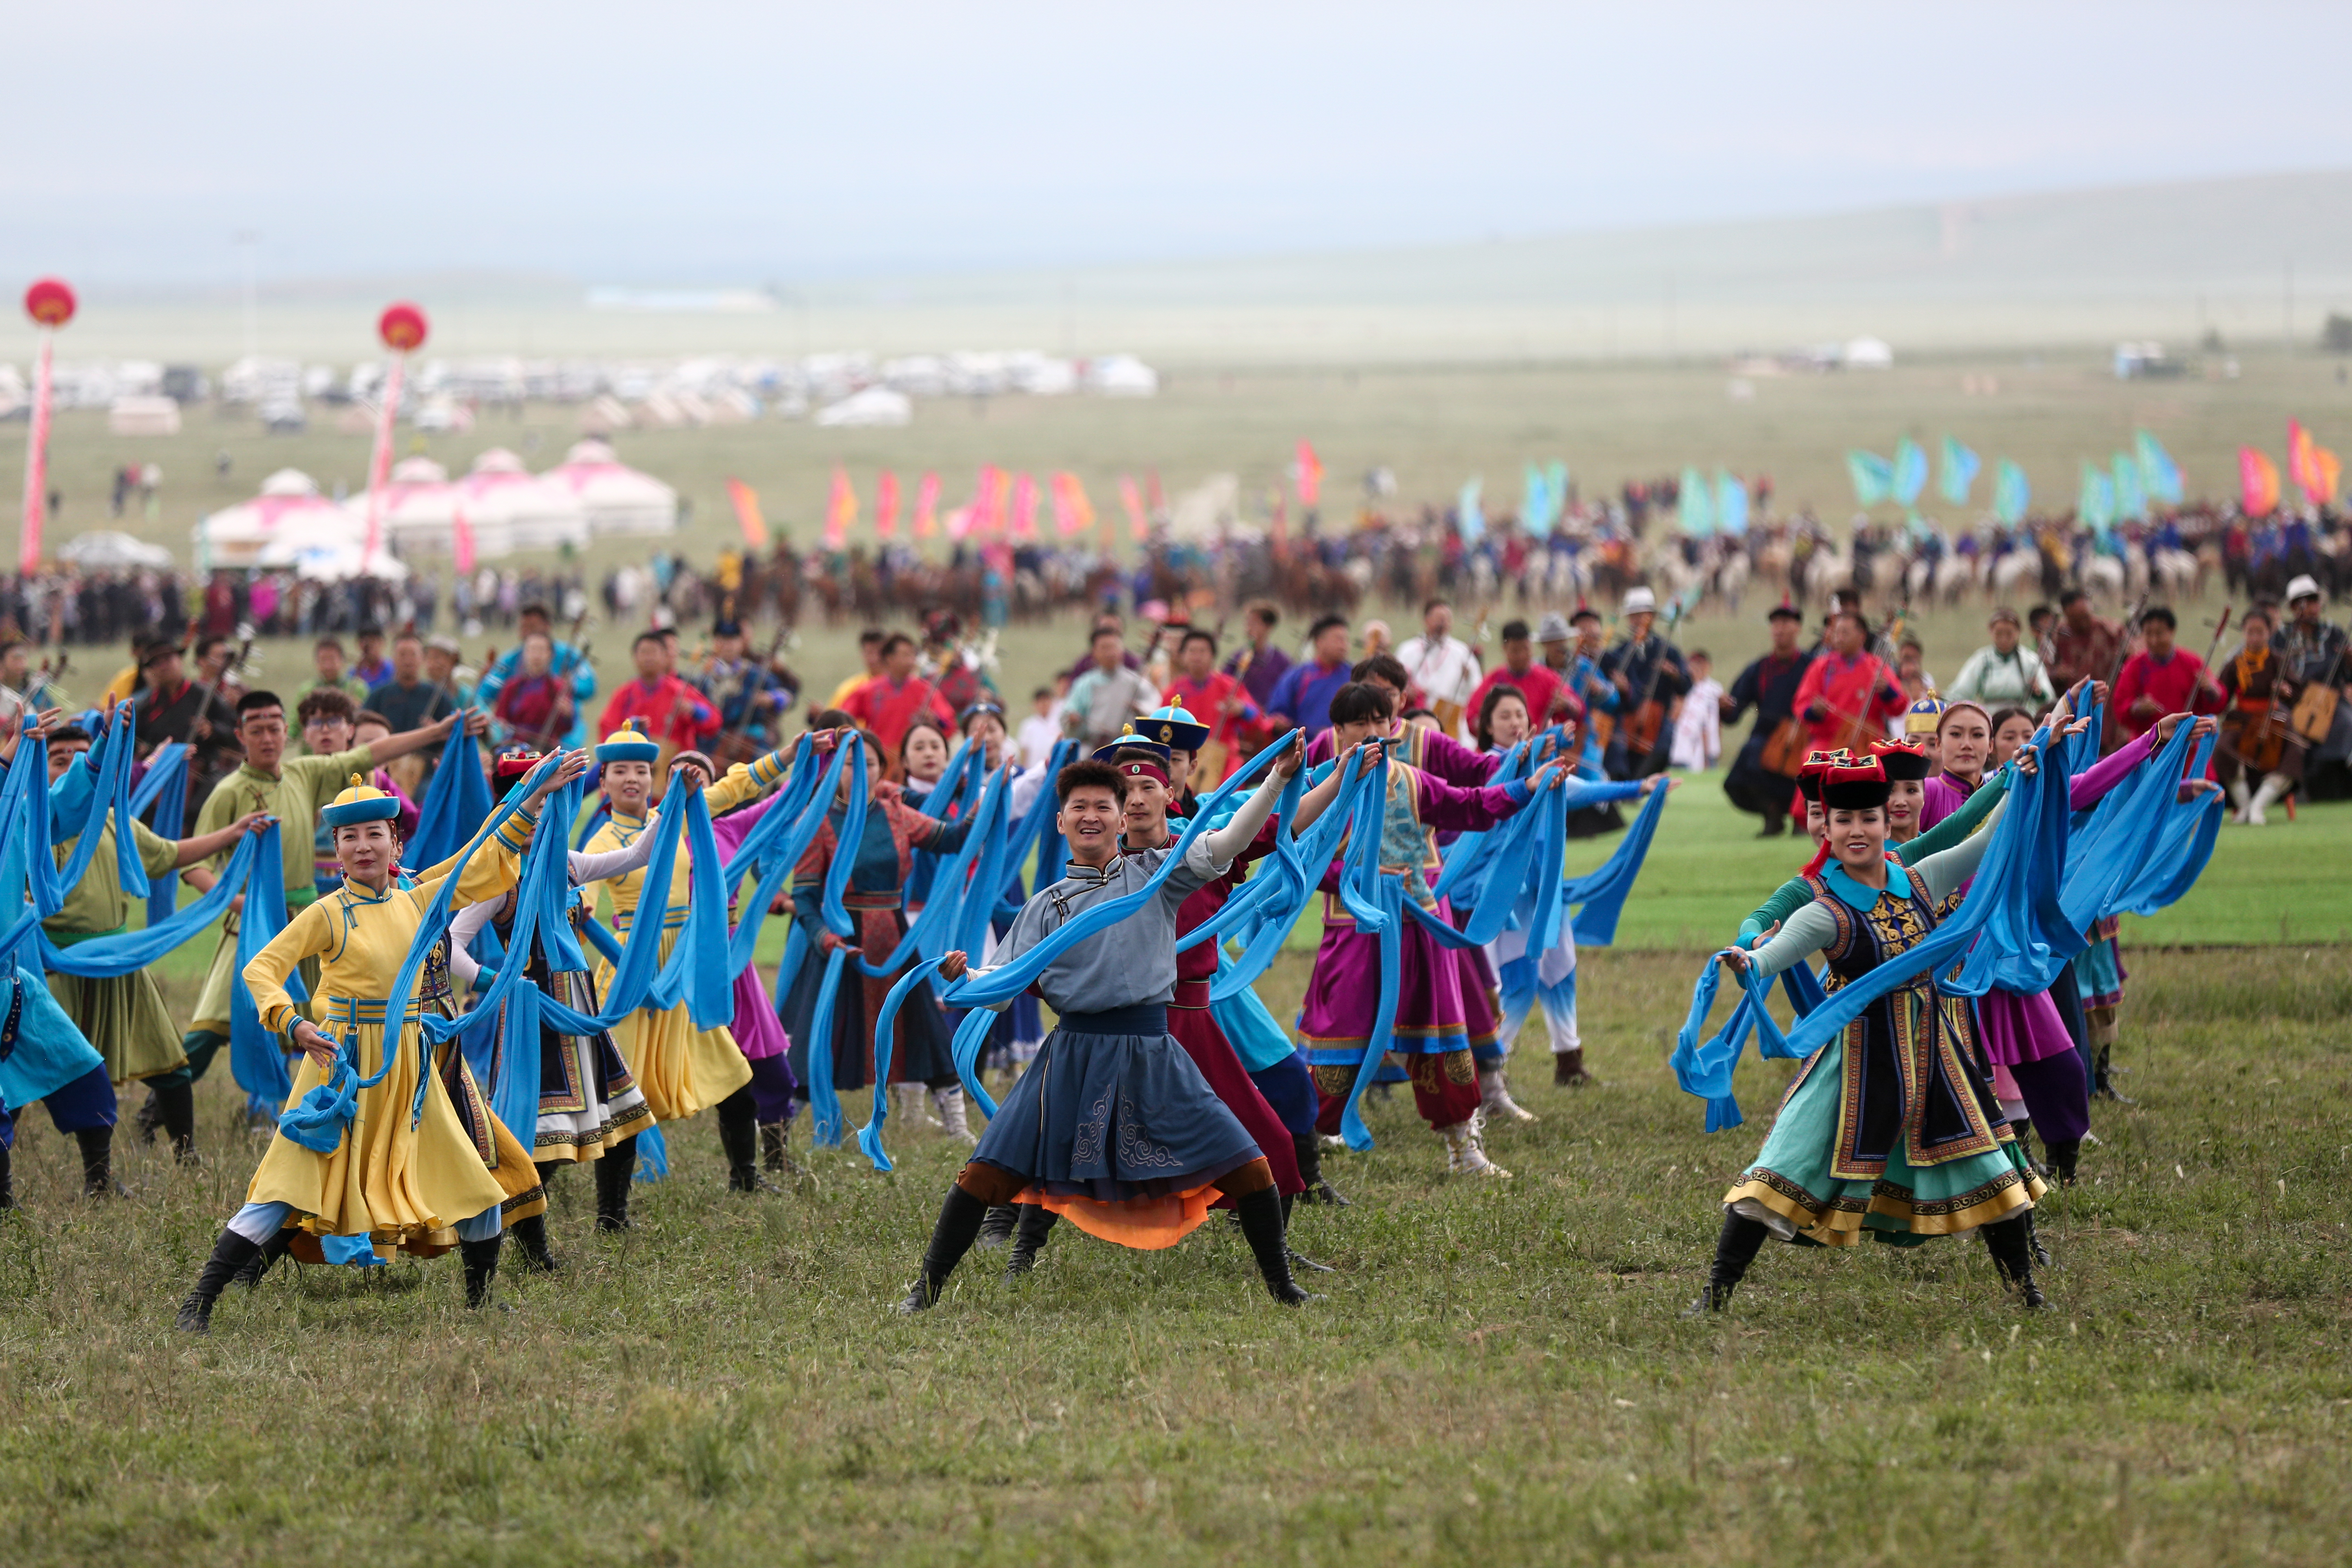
[613, 1174]
[2033, 1244]
[739, 1136]
[530, 1236]
[2011, 1244]
[1298, 1258]
[97, 1161]
[1036, 1223]
[231, 1253]
[1735, 1248]
[1261, 1217]
[2064, 1158]
[150, 1119]
[265, 1260]
[175, 1112]
[959, 1219]
[1307, 1147]
[997, 1229]
[481, 1260]
[2102, 1083]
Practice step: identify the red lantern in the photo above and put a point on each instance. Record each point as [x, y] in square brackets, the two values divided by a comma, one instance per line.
[49, 302]
[402, 328]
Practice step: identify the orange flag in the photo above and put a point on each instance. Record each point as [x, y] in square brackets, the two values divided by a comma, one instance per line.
[885, 505]
[1132, 499]
[926, 507]
[840, 510]
[2258, 482]
[1309, 475]
[2315, 469]
[1000, 500]
[747, 513]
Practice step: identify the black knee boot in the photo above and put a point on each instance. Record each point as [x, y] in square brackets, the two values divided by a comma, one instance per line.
[1308, 1148]
[613, 1174]
[2063, 1156]
[739, 1136]
[1735, 1249]
[231, 1253]
[530, 1235]
[97, 1161]
[481, 1260]
[2102, 1083]
[2012, 1247]
[264, 1261]
[1036, 1223]
[776, 1150]
[959, 1219]
[175, 1111]
[1298, 1258]
[1261, 1217]
[997, 1229]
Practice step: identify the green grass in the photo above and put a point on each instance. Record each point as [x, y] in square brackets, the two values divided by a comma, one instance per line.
[1500, 1373]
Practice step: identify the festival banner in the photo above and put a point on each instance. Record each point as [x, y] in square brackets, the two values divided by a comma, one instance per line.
[1730, 502]
[1534, 504]
[840, 510]
[1309, 475]
[1693, 504]
[2258, 482]
[2159, 475]
[978, 516]
[2095, 505]
[51, 305]
[461, 540]
[1073, 512]
[2011, 494]
[1468, 514]
[1000, 500]
[1872, 477]
[1152, 493]
[927, 506]
[1025, 508]
[746, 502]
[1131, 501]
[1960, 475]
[2313, 466]
[1910, 472]
[885, 505]
[2131, 493]
[402, 327]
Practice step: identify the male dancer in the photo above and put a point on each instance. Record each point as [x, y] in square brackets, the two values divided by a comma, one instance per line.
[1113, 1126]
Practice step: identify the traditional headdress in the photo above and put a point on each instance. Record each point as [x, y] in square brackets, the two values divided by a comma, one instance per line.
[1172, 728]
[1136, 758]
[1855, 786]
[1902, 759]
[629, 744]
[362, 802]
[1809, 777]
[514, 763]
[1925, 716]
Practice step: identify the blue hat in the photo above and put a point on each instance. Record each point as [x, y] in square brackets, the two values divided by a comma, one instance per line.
[628, 744]
[362, 802]
[1174, 728]
[1132, 744]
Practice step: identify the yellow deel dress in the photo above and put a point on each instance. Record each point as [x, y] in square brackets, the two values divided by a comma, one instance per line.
[122, 1014]
[681, 1069]
[401, 1185]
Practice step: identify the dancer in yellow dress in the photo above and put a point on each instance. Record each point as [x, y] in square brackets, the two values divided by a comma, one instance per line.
[449, 1173]
[680, 1070]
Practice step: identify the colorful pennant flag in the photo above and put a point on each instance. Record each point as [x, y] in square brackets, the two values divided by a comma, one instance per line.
[1307, 475]
[2159, 476]
[1730, 502]
[2313, 466]
[746, 501]
[2010, 493]
[1873, 475]
[840, 510]
[1025, 508]
[1535, 510]
[461, 539]
[2095, 505]
[1910, 471]
[1073, 512]
[1694, 503]
[2131, 494]
[927, 506]
[1132, 499]
[1960, 467]
[1468, 515]
[2258, 482]
[885, 505]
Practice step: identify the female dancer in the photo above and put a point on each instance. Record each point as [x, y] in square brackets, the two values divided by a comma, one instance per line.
[1889, 1127]
[922, 1053]
[590, 1107]
[680, 1069]
[449, 1173]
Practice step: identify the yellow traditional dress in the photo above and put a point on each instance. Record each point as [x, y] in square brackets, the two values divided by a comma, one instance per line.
[681, 1069]
[302, 788]
[402, 1184]
[122, 1014]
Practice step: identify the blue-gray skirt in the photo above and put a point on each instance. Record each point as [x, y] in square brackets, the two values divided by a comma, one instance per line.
[1112, 1109]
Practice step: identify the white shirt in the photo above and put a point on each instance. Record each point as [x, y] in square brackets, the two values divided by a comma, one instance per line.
[1036, 738]
[1445, 669]
[1699, 731]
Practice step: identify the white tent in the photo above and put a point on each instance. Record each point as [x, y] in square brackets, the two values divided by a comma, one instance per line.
[500, 495]
[290, 505]
[617, 498]
[104, 549]
[877, 405]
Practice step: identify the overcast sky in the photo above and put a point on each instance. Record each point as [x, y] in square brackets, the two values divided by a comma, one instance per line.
[692, 142]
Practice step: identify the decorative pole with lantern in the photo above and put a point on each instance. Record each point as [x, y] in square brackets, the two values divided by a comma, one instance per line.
[51, 305]
[402, 328]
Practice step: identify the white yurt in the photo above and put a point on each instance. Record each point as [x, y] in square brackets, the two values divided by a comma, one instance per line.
[500, 495]
[617, 498]
[875, 406]
[289, 506]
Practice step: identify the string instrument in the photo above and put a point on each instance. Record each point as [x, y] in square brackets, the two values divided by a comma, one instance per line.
[2314, 710]
[736, 745]
[1785, 748]
[2260, 735]
[1647, 721]
[204, 700]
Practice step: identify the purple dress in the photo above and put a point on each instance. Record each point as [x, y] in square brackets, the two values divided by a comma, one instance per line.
[757, 1028]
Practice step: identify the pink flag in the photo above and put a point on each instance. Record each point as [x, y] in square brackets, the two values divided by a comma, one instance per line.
[1309, 475]
[1132, 499]
[840, 510]
[927, 506]
[1025, 508]
[461, 540]
[885, 505]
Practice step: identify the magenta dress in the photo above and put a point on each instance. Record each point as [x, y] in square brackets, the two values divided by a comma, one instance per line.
[757, 1028]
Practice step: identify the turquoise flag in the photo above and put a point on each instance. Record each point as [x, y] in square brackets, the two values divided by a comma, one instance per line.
[2159, 475]
[1730, 502]
[2131, 492]
[1536, 510]
[1472, 521]
[1910, 471]
[1695, 504]
[1556, 481]
[1960, 467]
[2010, 493]
[1873, 475]
[2096, 506]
